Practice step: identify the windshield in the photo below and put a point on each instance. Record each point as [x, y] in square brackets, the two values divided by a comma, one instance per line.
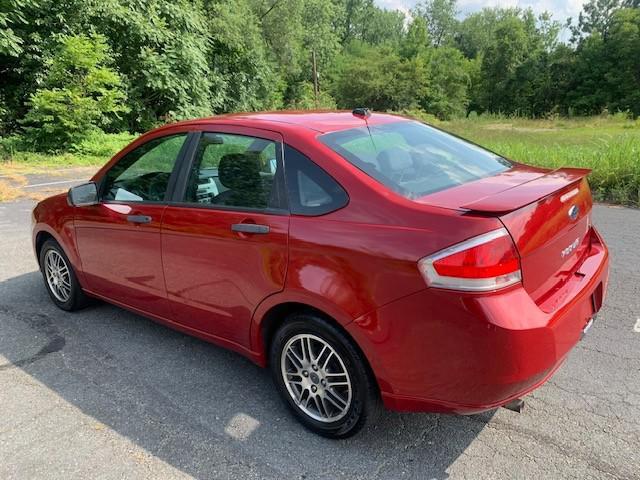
[412, 158]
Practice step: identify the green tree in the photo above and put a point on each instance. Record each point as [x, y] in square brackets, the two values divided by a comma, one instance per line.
[623, 48]
[80, 93]
[243, 76]
[311, 26]
[606, 71]
[440, 16]
[10, 14]
[417, 39]
[37, 38]
[588, 94]
[500, 63]
[517, 73]
[475, 33]
[449, 79]
[596, 17]
[366, 22]
[378, 78]
[161, 49]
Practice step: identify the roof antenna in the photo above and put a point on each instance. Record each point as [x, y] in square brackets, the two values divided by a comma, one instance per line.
[361, 112]
[365, 113]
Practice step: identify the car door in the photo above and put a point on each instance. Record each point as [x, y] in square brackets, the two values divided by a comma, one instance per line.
[224, 240]
[119, 238]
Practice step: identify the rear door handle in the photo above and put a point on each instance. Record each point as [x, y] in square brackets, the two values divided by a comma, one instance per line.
[250, 228]
[138, 218]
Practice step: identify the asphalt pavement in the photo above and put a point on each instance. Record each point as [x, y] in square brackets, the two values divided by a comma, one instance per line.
[104, 393]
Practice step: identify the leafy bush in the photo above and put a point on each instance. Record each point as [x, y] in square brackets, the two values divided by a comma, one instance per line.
[100, 144]
[378, 78]
[447, 95]
[421, 116]
[81, 93]
[4, 115]
[94, 150]
[10, 145]
[10, 14]
[306, 100]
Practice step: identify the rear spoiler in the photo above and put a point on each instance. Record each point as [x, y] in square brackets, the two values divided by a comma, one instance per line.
[528, 192]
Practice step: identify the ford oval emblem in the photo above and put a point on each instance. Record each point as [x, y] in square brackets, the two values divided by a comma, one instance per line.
[574, 211]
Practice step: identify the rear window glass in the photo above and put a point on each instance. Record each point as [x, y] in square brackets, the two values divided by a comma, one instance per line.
[412, 158]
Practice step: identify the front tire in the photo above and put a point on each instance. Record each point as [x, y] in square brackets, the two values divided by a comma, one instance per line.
[59, 278]
[322, 377]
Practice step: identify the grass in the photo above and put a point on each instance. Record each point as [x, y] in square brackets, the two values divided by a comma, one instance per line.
[10, 186]
[16, 161]
[8, 191]
[610, 146]
[95, 151]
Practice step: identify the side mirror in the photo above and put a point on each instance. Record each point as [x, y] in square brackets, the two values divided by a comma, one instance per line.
[83, 195]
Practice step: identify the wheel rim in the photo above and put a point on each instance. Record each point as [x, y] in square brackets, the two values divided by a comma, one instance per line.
[316, 378]
[58, 275]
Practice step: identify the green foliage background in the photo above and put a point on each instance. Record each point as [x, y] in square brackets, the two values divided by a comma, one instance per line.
[73, 70]
[174, 59]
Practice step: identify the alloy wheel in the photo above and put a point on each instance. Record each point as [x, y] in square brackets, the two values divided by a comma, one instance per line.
[316, 378]
[58, 275]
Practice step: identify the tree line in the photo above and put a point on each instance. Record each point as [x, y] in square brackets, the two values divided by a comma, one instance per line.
[70, 66]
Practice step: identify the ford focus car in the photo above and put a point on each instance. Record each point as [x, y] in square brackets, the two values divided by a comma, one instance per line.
[368, 260]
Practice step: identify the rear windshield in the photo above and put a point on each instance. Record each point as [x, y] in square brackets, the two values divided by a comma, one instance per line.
[412, 158]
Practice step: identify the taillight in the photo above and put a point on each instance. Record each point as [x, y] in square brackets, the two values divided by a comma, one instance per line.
[484, 263]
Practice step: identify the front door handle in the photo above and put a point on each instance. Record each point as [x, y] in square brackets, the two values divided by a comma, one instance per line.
[250, 228]
[138, 218]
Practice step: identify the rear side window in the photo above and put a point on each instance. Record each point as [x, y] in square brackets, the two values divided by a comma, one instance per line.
[235, 171]
[412, 158]
[311, 190]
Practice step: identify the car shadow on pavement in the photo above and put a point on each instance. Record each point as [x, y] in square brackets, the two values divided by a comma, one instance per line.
[200, 408]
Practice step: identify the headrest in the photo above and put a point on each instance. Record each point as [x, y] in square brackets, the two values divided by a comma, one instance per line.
[240, 171]
[394, 159]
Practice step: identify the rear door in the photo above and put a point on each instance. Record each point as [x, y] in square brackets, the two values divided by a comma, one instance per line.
[224, 236]
[119, 238]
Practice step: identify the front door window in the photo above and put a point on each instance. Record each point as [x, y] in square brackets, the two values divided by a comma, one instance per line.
[142, 175]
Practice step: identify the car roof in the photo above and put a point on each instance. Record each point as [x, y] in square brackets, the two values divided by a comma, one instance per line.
[320, 121]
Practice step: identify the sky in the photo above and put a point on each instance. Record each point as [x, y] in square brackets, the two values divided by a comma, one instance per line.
[561, 9]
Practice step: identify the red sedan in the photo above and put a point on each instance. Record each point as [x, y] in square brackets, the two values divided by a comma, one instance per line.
[367, 259]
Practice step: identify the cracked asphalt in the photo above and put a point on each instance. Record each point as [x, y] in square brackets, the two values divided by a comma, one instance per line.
[107, 394]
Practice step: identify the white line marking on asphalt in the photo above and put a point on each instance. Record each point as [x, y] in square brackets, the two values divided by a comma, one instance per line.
[52, 183]
[60, 171]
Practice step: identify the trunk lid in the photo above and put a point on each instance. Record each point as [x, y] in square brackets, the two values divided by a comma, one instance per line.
[547, 214]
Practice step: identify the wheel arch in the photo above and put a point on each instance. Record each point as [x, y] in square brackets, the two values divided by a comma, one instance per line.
[278, 306]
[41, 237]
[45, 232]
[277, 315]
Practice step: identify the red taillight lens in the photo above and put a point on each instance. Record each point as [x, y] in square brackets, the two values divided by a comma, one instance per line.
[484, 263]
[491, 259]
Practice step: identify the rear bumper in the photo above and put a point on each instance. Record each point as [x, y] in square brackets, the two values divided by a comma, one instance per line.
[444, 351]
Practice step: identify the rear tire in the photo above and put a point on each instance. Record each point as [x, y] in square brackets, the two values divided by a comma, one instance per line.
[60, 279]
[322, 377]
